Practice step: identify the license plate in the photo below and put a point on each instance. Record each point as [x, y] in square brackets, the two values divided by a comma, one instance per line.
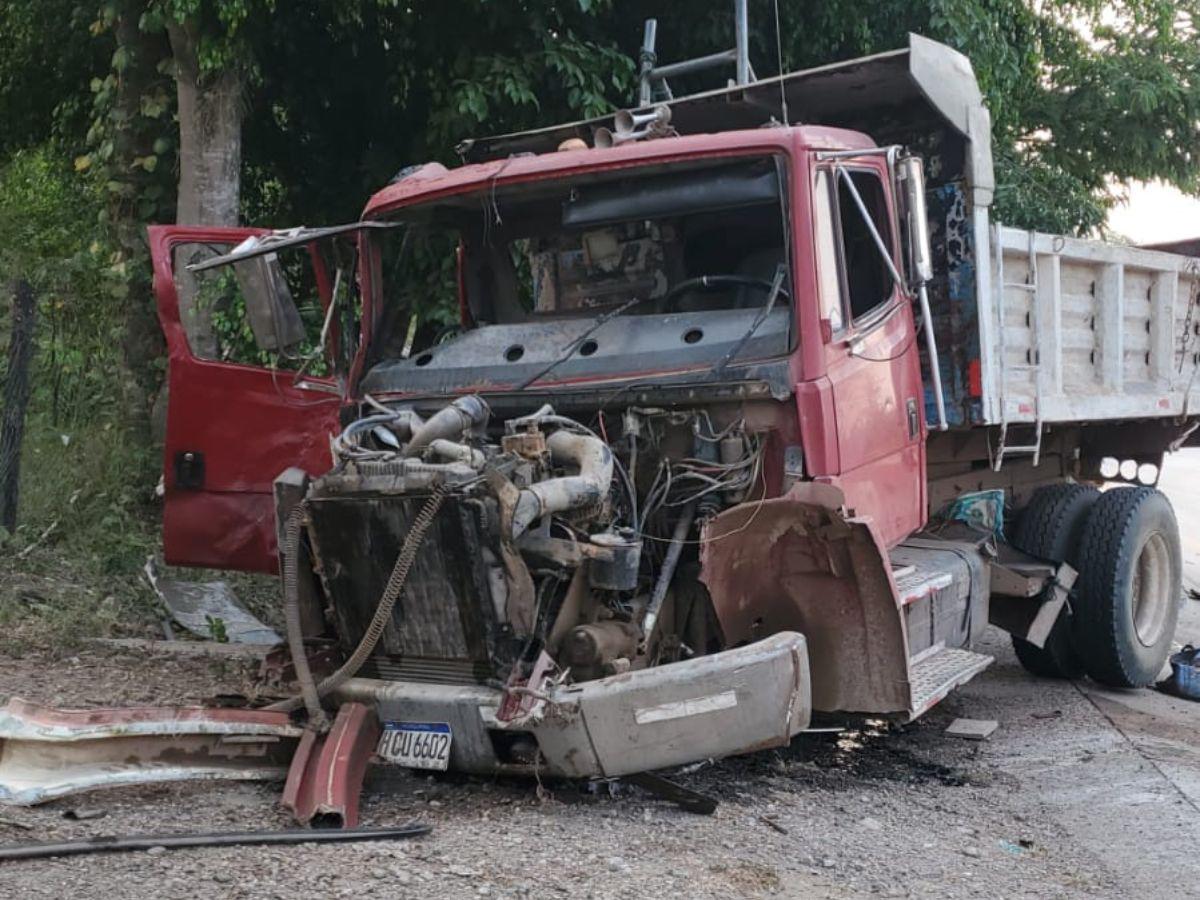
[418, 745]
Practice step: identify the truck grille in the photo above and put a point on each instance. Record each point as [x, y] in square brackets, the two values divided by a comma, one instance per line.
[443, 625]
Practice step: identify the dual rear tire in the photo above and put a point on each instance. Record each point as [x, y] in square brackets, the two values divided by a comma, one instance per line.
[1125, 545]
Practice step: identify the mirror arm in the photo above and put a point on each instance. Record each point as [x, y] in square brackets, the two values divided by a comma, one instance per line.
[935, 374]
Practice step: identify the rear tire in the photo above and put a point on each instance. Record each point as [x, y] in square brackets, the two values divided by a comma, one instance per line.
[1050, 528]
[1131, 587]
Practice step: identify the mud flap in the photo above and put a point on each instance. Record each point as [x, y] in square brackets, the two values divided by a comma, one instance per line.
[799, 563]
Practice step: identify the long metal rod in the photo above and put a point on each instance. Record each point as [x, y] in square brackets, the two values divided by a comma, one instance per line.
[935, 374]
[682, 526]
[931, 351]
[209, 839]
[741, 28]
[870, 223]
[646, 62]
[689, 66]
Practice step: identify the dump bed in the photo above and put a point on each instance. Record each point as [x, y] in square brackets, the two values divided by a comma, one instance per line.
[1073, 330]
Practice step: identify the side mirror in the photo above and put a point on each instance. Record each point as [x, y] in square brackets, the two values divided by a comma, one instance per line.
[910, 185]
[270, 309]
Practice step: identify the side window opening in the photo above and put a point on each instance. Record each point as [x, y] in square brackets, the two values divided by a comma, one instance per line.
[829, 285]
[868, 278]
[220, 326]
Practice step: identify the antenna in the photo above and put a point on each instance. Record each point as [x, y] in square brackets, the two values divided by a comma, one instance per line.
[779, 57]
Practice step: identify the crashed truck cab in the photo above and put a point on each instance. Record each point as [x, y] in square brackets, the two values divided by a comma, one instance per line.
[618, 480]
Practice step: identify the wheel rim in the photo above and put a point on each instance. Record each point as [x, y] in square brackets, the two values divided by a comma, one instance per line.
[1151, 590]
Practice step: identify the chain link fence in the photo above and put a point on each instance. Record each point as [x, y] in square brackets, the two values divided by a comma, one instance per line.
[17, 383]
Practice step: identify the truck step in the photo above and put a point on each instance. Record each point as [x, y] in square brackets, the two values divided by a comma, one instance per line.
[913, 583]
[936, 675]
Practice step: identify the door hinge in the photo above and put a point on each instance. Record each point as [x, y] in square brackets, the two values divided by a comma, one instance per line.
[914, 423]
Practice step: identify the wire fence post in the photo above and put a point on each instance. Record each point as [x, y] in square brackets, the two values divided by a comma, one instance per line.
[16, 399]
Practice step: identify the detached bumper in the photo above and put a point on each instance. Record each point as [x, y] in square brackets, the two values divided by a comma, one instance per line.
[738, 701]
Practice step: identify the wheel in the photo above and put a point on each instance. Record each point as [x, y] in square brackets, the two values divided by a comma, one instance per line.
[1050, 528]
[1130, 587]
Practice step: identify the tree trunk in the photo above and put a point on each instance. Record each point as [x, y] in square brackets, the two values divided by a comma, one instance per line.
[16, 399]
[210, 137]
[210, 162]
[133, 138]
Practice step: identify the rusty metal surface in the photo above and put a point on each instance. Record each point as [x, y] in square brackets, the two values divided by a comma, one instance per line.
[47, 753]
[797, 563]
[326, 774]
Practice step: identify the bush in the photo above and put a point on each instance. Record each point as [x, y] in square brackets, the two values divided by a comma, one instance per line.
[87, 518]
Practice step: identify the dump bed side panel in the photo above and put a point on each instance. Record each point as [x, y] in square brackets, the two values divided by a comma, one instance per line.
[1088, 331]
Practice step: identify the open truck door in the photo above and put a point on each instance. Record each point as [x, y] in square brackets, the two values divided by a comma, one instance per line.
[253, 351]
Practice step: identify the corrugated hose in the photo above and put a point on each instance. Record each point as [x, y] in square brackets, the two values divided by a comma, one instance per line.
[311, 692]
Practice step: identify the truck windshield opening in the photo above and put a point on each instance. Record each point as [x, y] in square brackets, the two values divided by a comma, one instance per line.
[512, 275]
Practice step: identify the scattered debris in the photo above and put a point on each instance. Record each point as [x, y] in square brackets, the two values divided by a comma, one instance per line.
[684, 798]
[972, 729]
[29, 548]
[84, 813]
[187, 648]
[209, 610]
[1048, 714]
[160, 842]
[1185, 675]
[772, 823]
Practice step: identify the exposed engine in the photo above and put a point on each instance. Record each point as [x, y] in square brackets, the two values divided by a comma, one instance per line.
[547, 545]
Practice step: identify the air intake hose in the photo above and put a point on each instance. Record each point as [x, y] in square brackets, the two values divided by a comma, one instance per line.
[594, 460]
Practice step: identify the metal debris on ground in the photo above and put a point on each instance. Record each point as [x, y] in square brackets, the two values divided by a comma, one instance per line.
[972, 729]
[209, 609]
[47, 752]
[684, 798]
[114, 844]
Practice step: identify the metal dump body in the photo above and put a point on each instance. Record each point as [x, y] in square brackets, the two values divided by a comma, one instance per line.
[1074, 330]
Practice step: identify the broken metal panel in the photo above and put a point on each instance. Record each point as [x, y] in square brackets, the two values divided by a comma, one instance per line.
[797, 563]
[737, 701]
[204, 608]
[326, 775]
[47, 753]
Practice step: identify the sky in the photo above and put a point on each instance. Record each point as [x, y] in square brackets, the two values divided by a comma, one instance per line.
[1155, 213]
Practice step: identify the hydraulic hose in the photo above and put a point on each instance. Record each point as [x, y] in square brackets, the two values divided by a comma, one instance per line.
[309, 694]
[383, 613]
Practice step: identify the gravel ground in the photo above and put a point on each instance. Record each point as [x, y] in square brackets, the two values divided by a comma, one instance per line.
[868, 812]
[1081, 792]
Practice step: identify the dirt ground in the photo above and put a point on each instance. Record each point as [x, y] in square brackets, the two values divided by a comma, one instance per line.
[1081, 792]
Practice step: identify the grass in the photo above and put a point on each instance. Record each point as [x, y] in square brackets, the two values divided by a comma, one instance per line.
[87, 522]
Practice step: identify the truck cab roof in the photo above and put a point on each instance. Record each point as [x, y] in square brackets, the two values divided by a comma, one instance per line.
[434, 180]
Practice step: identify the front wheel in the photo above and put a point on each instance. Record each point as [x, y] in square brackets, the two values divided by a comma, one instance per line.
[1130, 587]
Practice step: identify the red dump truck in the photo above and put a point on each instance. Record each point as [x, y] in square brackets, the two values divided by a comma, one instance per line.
[637, 441]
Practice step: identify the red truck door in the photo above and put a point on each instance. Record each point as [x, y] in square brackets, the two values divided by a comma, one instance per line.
[871, 361]
[236, 416]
